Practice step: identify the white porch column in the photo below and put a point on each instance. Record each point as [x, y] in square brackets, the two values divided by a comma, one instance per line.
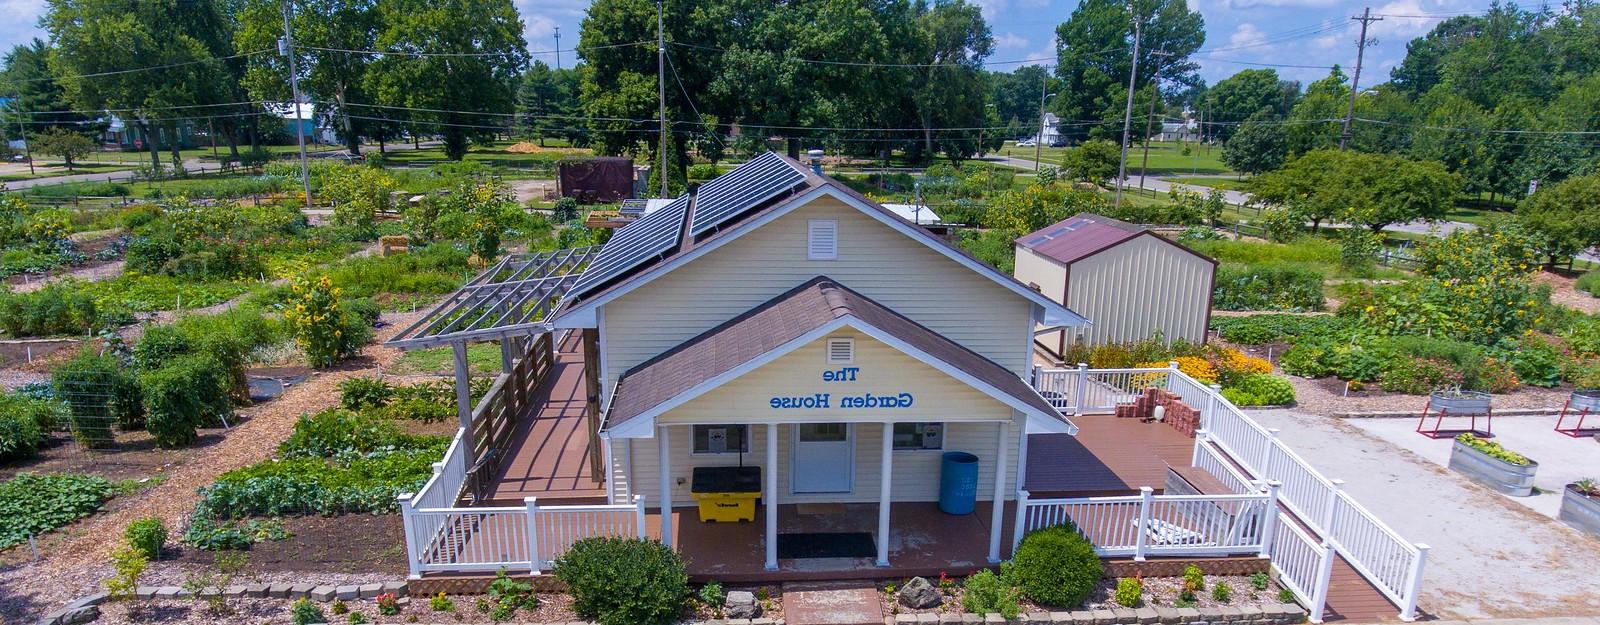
[997, 516]
[770, 496]
[665, 464]
[883, 493]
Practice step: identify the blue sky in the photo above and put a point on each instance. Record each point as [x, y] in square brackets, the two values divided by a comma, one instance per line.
[1291, 32]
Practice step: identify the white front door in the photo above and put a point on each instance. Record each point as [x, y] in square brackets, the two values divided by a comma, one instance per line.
[823, 460]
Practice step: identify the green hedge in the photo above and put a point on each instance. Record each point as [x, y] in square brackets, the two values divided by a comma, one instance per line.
[1275, 327]
[1055, 567]
[186, 393]
[624, 581]
[98, 391]
[59, 308]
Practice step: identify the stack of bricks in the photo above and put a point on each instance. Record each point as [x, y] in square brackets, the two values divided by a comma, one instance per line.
[1177, 414]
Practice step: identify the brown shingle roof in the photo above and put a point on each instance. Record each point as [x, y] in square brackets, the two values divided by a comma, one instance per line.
[789, 316]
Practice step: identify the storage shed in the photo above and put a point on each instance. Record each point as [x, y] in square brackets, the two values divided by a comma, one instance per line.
[1129, 281]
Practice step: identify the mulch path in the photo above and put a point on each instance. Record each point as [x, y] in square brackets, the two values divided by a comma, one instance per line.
[76, 557]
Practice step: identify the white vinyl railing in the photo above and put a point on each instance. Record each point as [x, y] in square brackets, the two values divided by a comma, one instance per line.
[449, 476]
[1304, 565]
[521, 538]
[1158, 525]
[1330, 515]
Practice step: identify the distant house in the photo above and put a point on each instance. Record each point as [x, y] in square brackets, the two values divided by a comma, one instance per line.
[1131, 281]
[1183, 130]
[1051, 134]
[306, 117]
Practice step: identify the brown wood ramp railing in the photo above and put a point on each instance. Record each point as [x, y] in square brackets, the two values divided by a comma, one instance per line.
[495, 418]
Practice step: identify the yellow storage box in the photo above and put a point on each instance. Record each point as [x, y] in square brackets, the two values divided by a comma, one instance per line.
[726, 494]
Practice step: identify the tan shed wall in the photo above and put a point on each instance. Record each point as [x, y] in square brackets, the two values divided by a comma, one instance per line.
[885, 265]
[915, 474]
[1032, 268]
[1138, 287]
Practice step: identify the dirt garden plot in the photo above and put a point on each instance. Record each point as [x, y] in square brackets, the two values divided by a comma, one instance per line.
[1491, 557]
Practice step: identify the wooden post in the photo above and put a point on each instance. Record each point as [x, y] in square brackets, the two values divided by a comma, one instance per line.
[591, 378]
[464, 403]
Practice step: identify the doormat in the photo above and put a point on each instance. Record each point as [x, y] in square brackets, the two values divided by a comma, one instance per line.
[826, 545]
[819, 508]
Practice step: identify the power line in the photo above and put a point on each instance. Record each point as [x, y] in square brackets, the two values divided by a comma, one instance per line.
[140, 69]
[870, 63]
[461, 54]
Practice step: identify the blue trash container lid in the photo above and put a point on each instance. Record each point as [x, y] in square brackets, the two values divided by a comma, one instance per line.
[960, 457]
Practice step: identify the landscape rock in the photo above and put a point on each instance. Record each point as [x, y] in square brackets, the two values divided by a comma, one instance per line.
[741, 604]
[919, 594]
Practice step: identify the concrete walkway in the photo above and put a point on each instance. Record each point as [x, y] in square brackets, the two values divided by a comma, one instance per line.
[1489, 558]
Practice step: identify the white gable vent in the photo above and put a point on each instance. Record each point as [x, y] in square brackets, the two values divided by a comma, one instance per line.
[841, 351]
[822, 239]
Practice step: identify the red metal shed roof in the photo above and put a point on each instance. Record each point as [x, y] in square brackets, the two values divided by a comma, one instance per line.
[1078, 236]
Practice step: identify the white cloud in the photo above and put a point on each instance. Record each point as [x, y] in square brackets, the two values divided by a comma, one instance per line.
[23, 24]
[1247, 35]
[1251, 4]
[1010, 40]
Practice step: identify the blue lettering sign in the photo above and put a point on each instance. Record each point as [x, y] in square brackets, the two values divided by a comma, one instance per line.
[819, 400]
[846, 374]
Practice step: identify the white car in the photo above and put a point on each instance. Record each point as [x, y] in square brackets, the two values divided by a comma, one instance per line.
[1026, 143]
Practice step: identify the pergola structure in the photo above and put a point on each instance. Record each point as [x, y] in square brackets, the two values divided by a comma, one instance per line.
[511, 302]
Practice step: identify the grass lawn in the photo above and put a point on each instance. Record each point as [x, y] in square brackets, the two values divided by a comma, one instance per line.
[1475, 216]
[482, 359]
[1229, 184]
[48, 170]
[493, 154]
[1166, 157]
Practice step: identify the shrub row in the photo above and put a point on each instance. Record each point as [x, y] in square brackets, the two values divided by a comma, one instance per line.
[33, 504]
[25, 423]
[1286, 287]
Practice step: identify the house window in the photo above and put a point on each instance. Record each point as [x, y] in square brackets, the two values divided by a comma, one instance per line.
[909, 436]
[822, 239]
[720, 439]
[841, 351]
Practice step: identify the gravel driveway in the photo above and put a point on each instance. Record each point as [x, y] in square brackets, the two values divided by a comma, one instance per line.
[1490, 558]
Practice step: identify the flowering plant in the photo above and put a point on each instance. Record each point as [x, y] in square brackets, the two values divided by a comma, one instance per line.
[317, 320]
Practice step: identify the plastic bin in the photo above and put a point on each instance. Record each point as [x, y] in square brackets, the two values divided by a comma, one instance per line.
[726, 494]
[958, 483]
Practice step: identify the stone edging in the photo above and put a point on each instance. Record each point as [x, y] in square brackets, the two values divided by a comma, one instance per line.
[1414, 414]
[1269, 614]
[87, 609]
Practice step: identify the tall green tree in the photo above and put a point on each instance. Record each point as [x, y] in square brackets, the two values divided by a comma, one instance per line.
[181, 41]
[1095, 51]
[948, 90]
[1239, 97]
[335, 79]
[1564, 217]
[1316, 120]
[454, 64]
[1257, 146]
[38, 101]
[1368, 190]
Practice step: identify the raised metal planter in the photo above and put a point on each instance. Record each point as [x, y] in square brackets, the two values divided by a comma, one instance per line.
[1500, 476]
[1580, 511]
[1459, 403]
[1585, 399]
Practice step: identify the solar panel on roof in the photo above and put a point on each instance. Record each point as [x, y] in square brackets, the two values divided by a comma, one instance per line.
[633, 206]
[650, 236]
[747, 186]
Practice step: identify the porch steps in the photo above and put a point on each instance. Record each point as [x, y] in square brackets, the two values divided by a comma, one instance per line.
[831, 603]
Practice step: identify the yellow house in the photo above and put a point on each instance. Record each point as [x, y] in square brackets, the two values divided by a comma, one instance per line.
[778, 320]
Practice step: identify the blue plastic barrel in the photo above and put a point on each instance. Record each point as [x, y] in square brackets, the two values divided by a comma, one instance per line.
[958, 483]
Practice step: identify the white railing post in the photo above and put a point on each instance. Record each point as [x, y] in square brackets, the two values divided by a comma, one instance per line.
[1269, 527]
[1021, 522]
[1081, 390]
[1266, 454]
[1333, 502]
[638, 512]
[413, 550]
[1408, 611]
[1211, 404]
[1146, 493]
[1319, 592]
[1172, 374]
[1199, 440]
[534, 562]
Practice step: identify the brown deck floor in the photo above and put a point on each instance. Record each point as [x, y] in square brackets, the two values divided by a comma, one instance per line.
[549, 454]
[1109, 456]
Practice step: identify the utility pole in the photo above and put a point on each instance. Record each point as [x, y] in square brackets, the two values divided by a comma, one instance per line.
[286, 48]
[22, 132]
[1127, 113]
[1155, 94]
[558, 48]
[1037, 141]
[661, 84]
[1355, 82]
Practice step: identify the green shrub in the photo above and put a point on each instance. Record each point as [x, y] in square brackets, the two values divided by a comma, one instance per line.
[1193, 579]
[1259, 580]
[303, 612]
[364, 393]
[624, 581]
[1129, 592]
[1056, 567]
[703, 172]
[25, 424]
[1419, 376]
[1285, 596]
[1306, 360]
[187, 393]
[146, 536]
[1273, 328]
[711, 594]
[98, 391]
[59, 308]
[32, 504]
[1588, 283]
[1222, 592]
[327, 487]
[330, 433]
[1260, 389]
[1286, 287]
[985, 592]
[1534, 360]
[129, 564]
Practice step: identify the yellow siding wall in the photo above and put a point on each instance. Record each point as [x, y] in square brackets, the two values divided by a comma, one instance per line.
[884, 370]
[1138, 287]
[1032, 268]
[877, 261]
[915, 473]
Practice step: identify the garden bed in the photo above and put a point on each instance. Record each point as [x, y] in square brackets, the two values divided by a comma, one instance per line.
[1159, 592]
[354, 543]
[1489, 464]
[1580, 507]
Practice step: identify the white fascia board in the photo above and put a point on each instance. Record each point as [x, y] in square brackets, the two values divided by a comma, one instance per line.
[643, 424]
